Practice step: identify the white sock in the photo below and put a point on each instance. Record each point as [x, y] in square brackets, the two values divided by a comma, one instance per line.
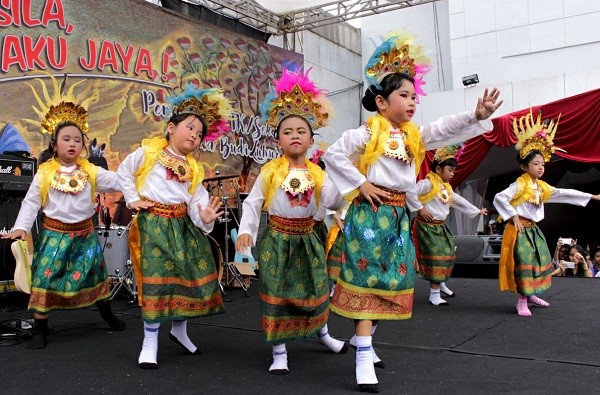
[352, 342]
[280, 362]
[150, 344]
[365, 371]
[445, 289]
[325, 338]
[435, 298]
[179, 330]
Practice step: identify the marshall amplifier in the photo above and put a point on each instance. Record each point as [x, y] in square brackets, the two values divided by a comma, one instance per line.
[16, 175]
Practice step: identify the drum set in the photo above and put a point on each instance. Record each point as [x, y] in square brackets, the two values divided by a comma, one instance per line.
[114, 241]
[215, 187]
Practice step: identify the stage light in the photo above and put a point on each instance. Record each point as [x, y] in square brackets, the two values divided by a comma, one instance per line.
[470, 80]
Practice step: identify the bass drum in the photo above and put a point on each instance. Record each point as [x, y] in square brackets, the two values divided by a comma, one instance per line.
[218, 255]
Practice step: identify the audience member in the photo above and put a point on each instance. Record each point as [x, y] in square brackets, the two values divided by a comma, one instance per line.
[577, 265]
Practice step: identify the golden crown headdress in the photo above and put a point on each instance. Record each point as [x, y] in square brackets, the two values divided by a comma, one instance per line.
[58, 109]
[209, 104]
[295, 94]
[535, 134]
[450, 151]
[398, 53]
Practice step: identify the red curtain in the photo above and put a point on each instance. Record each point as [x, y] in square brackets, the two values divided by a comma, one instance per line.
[578, 133]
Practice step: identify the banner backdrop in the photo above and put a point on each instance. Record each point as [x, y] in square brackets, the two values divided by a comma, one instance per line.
[131, 53]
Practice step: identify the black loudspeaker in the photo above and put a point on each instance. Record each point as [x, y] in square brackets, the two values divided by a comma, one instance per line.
[478, 250]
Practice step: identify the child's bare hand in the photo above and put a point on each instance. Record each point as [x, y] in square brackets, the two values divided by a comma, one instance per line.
[487, 104]
[373, 194]
[15, 234]
[425, 214]
[243, 241]
[212, 210]
[483, 211]
[139, 205]
[517, 223]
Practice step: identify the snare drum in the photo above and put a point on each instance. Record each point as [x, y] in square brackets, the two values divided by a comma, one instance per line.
[216, 252]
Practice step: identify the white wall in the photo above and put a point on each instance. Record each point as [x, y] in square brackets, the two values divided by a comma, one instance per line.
[535, 51]
[334, 55]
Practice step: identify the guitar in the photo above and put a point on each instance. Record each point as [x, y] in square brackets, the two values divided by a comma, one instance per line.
[243, 257]
[23, 266]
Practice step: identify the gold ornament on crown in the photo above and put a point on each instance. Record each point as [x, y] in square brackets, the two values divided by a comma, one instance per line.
[450, 151]
[535, 134]
[60, 108]
[296, 102]
[208, 110]
[397, 60]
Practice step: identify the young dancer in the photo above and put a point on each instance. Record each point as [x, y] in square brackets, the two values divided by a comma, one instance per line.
[175, 269]
[68, 268]
[525, 261]
[377, 280]
[434, 241]
[294, 292]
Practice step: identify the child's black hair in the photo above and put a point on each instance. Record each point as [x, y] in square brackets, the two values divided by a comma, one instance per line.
[389, 84]
[177, 119]
[528, 158]
[452, 162]
[290, 116]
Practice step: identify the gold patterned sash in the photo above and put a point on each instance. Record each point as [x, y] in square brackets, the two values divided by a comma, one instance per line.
[292, 226]
[526, 222]
[78, 228]
[396, 198]
[167, 210]
[432, 222]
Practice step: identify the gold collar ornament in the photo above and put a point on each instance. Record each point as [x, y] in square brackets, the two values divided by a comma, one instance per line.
[444, 195]
[536, 197]
[71, 183]
[177, 168]
[298, 180]
[396, 148]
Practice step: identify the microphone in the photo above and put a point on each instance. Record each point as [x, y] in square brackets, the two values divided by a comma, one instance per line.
[107, 219]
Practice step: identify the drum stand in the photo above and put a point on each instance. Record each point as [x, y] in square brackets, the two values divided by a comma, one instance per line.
[124, 280]
[127, 279]
[230, 267]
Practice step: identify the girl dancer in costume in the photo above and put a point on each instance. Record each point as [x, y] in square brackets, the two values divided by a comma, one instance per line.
[174, 265]
[294, 292]
[377, 280]
[434, 241]
[68, 269]
[525, 261]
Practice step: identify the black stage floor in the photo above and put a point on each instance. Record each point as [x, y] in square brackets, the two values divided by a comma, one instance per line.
[478, 344]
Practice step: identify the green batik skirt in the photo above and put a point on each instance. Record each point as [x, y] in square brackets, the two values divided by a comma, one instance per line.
[377, 279]
[533, 263]
[335, 257]
[68, 270]
[294, 291]
[320, 230]
[435, 251]
[179, 274]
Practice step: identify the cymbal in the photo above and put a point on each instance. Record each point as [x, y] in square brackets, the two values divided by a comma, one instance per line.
[221, 177]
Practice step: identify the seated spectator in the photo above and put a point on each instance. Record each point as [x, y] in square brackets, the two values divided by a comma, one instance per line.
[596, 263]
[580, 266]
